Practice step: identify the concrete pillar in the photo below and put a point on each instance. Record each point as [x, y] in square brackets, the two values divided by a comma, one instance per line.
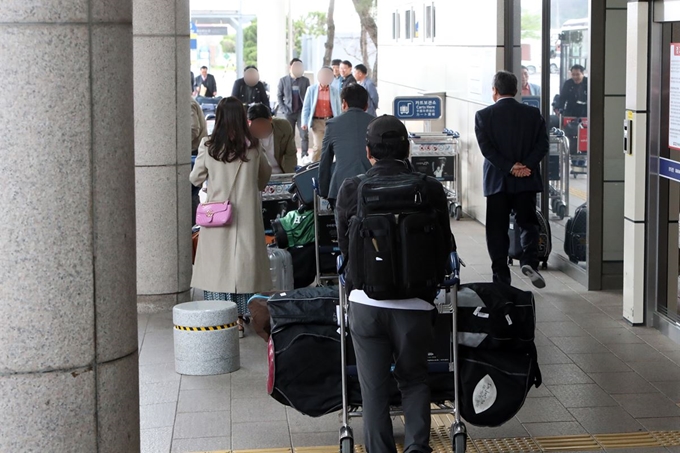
[68, 342]
[271, 53]
[162, 151]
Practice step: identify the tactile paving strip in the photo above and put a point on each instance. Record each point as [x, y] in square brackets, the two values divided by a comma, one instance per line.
[440, 442]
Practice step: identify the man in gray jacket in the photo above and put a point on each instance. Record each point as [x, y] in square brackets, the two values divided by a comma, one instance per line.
[291, 97]
[345, 141]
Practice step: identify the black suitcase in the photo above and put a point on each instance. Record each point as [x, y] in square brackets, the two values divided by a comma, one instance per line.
[575, 235]
[544, 240]
[302, 183]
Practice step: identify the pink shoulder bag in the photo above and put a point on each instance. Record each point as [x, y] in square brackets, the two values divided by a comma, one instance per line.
[217, 214]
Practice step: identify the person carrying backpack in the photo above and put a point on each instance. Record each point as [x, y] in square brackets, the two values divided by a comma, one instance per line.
[394, 234]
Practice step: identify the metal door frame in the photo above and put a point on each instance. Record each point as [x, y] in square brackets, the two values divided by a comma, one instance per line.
[664, 29]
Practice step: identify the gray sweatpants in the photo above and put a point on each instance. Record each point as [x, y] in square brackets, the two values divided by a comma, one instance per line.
[382, 337]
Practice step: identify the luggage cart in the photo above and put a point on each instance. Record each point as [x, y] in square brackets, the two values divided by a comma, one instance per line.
[558, 173]
[277, 200]
[458, 429]
[325, 239]
[576, 130]
[437, 155]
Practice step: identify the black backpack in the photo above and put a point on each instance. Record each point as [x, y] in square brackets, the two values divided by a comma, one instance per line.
[395, 244]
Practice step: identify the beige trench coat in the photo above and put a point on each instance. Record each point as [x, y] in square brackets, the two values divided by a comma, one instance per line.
[233, 259]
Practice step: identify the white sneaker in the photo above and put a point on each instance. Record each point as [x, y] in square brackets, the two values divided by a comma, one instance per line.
[306, 160]
[536, 278]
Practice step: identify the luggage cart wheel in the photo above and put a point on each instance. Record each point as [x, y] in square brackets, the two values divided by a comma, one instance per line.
[458, 213]
[545, 265]
[510, 262]
[347, 445]
[459, 443]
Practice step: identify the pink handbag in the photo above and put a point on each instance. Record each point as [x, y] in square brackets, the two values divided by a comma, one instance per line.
[216, 214]
[213, 214]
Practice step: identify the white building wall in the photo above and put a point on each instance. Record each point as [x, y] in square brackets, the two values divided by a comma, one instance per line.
[460, 61]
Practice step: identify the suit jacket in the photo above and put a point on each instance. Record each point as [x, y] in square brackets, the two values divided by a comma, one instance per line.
[344, 140]
[210, 85]
[285, 93]
[309, 106]
[509, 132]
[284, 145]
[257, 94]
[373, 97]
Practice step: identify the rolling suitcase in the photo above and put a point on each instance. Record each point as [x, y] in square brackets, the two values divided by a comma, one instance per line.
[575, 235]
[281, 268]
[544, 240]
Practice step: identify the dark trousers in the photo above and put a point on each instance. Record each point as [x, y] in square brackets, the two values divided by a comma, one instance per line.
[294, 120]
[382, 337]
[498, 208]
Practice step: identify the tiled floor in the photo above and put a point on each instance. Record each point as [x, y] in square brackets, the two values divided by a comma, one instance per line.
[601, 376]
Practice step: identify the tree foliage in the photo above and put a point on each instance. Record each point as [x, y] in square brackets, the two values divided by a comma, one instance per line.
[531, 26]
[250, 44]
[313, 24]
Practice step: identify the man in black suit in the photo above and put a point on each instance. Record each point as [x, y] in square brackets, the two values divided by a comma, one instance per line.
[208, 81]
[513, 139]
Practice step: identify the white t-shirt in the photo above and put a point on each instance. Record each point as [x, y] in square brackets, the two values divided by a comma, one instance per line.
[268, 145]
[359, 297]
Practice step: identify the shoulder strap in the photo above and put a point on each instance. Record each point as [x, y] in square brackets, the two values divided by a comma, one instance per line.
[235, 178]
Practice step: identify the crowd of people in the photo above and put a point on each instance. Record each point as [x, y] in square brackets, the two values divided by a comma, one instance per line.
[248, 145]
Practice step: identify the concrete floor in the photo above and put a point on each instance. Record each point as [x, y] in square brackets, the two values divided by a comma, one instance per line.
[600, 376]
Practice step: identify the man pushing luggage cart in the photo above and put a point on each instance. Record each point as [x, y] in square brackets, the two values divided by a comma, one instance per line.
[395, 238]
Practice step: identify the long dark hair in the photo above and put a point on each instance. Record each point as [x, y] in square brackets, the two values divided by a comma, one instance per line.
[230, 137]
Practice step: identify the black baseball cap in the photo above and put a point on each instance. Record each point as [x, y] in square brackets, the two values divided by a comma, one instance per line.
[386, 129]
[336, 62]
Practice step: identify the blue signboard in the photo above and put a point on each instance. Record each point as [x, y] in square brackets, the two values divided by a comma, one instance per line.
[533, 101]
[669, 169]
[418, 108]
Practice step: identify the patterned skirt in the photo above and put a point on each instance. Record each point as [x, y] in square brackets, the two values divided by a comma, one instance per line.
[241, 300]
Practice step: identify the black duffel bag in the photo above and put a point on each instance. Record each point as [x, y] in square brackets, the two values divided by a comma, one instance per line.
[494, 385]
[496, 317]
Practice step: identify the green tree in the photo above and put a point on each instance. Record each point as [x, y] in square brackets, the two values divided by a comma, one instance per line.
[250, 44]
[229, 44]
[313, 24]
[531, 26]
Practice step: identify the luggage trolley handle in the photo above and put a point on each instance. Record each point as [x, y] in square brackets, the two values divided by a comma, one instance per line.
[451, 285]
[346, 430]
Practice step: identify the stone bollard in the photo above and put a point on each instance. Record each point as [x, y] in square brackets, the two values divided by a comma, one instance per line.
[206, 338]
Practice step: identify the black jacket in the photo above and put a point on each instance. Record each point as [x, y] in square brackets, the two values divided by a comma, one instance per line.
[250, 95]
[210, 85]
[573, 100]
[348, 80]
[509, 132]
[346, 206]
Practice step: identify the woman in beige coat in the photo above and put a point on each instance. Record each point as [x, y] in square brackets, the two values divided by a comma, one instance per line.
[231, 261]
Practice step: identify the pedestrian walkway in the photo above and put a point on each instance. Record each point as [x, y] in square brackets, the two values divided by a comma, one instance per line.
[601, 376]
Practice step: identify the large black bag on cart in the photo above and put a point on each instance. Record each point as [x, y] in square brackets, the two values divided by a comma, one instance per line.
[305, 361]
[494, 384]
[496, 317]
[304, 350]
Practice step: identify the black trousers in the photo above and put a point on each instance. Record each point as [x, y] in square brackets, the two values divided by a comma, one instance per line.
[498, 208]
[382, 337]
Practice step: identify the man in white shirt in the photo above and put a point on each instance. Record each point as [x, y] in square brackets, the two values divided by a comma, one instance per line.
[399, 330]
[276, 137]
